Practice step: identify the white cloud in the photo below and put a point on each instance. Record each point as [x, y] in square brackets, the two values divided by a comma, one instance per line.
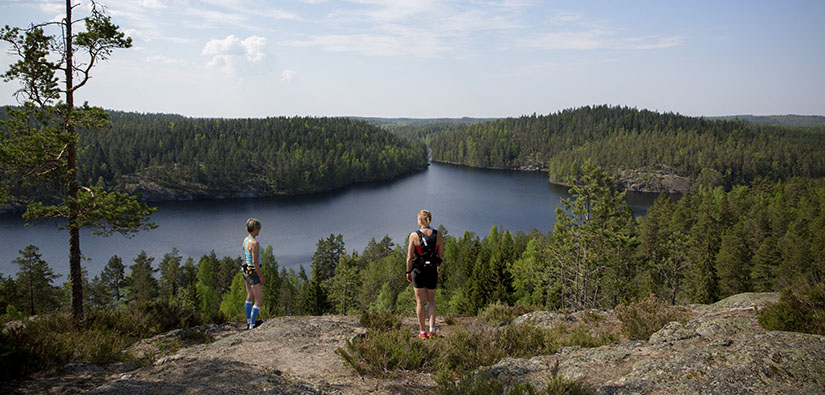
[217, 17]
[598, 39]
[156, 4]
[231, 53]
[288, 75]
[161, 59]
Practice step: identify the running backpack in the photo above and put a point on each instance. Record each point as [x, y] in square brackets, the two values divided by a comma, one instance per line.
[426, 253]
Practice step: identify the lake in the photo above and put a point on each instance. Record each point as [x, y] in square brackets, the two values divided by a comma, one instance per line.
[459, 198]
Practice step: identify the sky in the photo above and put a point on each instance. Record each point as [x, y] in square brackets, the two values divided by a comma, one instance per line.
[428, 58]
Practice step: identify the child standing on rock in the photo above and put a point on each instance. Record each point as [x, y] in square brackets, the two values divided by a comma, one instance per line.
[252, 273]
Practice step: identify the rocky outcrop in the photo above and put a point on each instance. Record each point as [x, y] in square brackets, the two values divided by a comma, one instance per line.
[658, 179]
[722, 350]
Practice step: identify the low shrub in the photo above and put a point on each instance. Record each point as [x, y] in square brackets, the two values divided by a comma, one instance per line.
[380, 319]
[799, 310]
[499, 312]
[482, 382]
[462, 350]
[53, 340]
[642, 318]
[381, 352]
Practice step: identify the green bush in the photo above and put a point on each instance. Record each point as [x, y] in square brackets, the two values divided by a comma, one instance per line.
[641, 319]
[482, 382]
[53, 340]
[802, 310]
[380, 319]
[462, 350]
[499, 312]
[381, 352]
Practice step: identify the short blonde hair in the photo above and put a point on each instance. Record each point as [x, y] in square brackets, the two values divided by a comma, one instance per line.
[425, 217]
[252, 224]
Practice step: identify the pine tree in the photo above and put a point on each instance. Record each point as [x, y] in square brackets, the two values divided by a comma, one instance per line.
[39, 141]
[34, 281]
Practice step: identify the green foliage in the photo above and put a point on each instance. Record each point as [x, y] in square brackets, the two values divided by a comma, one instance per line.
[38, 158]
[142, 284]
[590, 260]
[207, 288]
[34, 282]
[232, 304]
[380, 320]
[114, 277]
[233, 157]
[499, 312]
[53, 340]
[621, 138]
[800, 309]
[642, 318]
[381, 352]
[484, 382]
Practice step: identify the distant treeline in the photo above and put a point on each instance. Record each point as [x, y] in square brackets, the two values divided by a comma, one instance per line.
[171, 156]
[711, 153]
[709, 245]
[786, 120]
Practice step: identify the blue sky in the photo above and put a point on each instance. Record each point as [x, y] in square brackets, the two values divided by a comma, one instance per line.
[232, 58]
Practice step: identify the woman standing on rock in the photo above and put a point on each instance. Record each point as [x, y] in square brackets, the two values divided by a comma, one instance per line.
[252, 273]
[424, 256]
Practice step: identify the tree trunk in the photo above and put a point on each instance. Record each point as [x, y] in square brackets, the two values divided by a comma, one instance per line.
[75, 270]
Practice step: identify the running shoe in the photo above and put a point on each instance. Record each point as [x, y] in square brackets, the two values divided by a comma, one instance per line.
[422, 335]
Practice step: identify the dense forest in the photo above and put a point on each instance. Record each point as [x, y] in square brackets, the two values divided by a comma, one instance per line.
[272, 156]
[171, 157]
[630, 141]
[786, 120]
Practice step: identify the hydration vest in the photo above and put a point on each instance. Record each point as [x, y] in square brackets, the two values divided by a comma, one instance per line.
[426, 252]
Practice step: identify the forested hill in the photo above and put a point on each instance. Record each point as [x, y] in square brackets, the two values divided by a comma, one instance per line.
[174, 157]
[787, 120]
[638, 146]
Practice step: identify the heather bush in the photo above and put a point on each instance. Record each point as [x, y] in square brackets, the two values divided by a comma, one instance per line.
[499, 312]
[380, 319]
[481, 382]
[381, 352]
[52, 340]
[642, 318]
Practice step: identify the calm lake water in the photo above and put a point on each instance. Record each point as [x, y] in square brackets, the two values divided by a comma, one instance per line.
[460, 199]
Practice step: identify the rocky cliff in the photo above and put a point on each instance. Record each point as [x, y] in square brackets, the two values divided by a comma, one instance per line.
[721, 350]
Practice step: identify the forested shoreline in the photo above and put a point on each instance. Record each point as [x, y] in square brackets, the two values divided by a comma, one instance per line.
[171, 157]
[637, 147]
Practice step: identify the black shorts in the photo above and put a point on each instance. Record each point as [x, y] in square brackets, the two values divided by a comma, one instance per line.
[424, 278]
[251, 278]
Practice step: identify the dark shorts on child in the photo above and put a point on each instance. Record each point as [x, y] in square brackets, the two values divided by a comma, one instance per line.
[425, 278]
[251, 278]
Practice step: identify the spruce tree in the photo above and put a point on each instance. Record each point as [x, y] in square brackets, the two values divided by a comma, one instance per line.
[143, 286]
[114, 276]
[34, 281]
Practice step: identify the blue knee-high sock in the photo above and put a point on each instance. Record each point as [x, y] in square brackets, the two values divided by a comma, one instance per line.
[247, 307]
[254, 317]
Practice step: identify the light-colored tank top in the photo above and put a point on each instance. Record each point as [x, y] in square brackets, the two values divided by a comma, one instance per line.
[248, 254]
